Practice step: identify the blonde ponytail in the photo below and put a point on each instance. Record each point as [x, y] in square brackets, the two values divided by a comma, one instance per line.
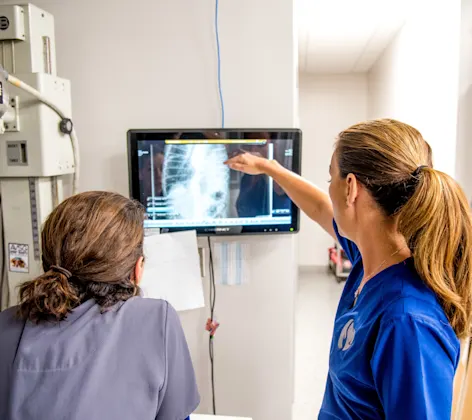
[387, 157]
[436, 223]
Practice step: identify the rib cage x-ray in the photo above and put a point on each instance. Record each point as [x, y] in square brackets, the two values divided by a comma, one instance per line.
[196, 181]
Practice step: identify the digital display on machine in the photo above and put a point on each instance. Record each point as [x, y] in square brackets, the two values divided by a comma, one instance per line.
[182, 181]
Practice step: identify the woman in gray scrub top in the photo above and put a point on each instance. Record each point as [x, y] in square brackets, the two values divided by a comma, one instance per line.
[82, 344]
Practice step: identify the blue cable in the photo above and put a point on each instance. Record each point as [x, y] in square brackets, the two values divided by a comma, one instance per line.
[222, 104]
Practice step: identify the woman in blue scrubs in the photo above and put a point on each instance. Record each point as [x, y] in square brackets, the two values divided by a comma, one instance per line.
[406, 228]
[83, 344]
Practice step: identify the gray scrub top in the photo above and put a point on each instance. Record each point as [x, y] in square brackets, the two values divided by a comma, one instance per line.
[129, 363]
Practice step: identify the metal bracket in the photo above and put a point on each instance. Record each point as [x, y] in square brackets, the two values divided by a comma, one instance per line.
[13, 124]
[201, 255]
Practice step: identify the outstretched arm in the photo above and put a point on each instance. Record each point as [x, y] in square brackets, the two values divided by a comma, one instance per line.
[315, 203]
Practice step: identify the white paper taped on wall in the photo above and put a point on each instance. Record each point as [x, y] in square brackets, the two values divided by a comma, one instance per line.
[172, 270]
[232, 267]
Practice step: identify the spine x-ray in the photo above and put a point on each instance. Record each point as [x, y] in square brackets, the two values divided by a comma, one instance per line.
[196, 181]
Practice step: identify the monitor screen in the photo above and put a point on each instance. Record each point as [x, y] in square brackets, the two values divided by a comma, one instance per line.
[181, 179]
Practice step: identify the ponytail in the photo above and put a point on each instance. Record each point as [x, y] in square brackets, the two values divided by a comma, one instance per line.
[49, 297]
[436, 223]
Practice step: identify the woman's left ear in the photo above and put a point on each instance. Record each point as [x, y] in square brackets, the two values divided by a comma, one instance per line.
[352, 189]
[138, 270]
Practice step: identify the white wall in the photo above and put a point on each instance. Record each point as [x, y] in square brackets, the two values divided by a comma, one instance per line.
[416, 78]
[464, 127]
[151, 64]
[328, 104]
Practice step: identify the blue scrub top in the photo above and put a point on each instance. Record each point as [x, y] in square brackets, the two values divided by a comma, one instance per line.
[394, 353]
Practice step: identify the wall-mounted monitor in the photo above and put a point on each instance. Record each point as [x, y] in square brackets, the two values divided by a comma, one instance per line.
[181, 179]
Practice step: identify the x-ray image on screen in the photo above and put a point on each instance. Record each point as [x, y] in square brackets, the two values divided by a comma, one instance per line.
[183, 182]
[195, 181]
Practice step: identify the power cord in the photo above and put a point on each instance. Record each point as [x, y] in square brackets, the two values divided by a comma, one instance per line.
[212, 312]
[218, 53]
[211, 348]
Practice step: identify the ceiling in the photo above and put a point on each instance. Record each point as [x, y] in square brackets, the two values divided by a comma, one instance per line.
[344, 36]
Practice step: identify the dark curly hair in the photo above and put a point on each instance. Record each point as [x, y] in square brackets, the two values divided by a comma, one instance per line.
[98, 238]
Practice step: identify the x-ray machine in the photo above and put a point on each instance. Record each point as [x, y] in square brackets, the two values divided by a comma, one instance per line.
[38, 145]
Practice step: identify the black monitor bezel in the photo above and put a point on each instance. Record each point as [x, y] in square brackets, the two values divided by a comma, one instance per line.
[133, 136]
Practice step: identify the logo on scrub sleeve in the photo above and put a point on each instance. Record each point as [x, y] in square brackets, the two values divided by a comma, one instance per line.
[346, 338]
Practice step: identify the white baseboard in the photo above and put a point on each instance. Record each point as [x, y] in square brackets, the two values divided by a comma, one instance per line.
[313, 269]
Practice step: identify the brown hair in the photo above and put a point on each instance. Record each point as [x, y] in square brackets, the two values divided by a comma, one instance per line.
[393, 161]
[95, 236]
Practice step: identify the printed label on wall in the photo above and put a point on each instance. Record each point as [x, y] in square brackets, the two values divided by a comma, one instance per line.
[18, 255]
[232, 267]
